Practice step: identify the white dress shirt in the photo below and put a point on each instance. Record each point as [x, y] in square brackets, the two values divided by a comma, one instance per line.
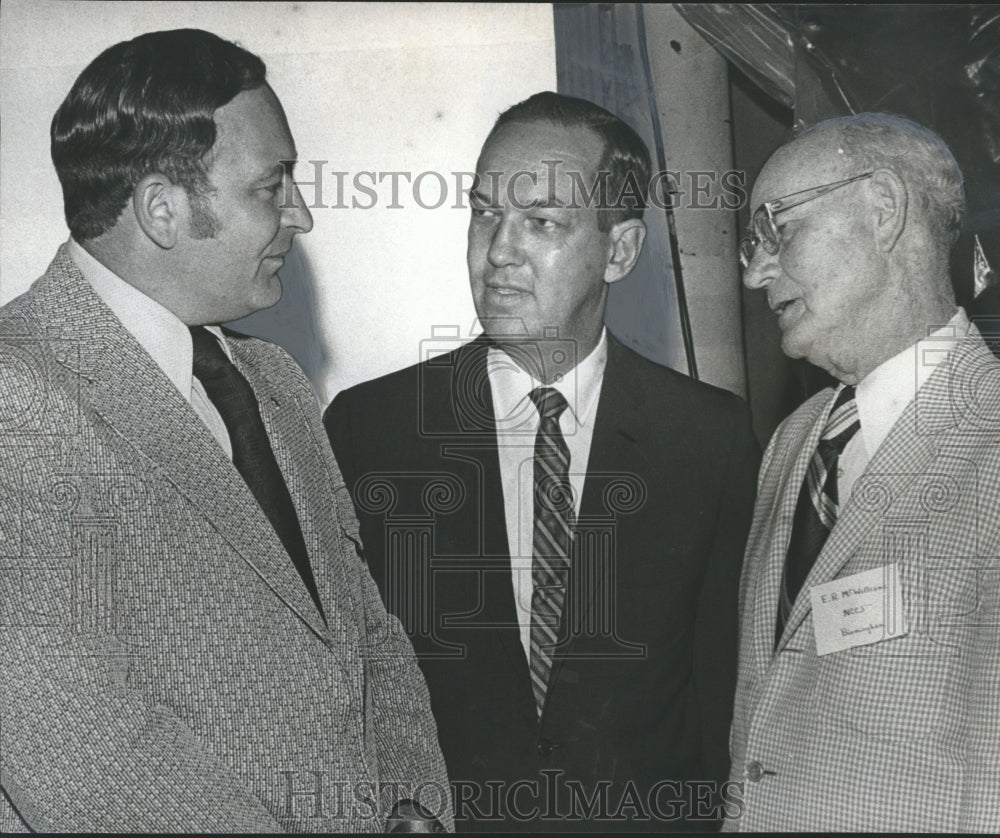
[160, 333]
[517, 425]
[885, 392]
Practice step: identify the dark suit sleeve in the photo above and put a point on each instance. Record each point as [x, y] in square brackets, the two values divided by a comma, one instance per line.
[717, 623]
[337, 421]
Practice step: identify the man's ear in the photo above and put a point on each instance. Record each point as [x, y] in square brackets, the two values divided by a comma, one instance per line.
[890, 204]
[626, 245]
[159, 205]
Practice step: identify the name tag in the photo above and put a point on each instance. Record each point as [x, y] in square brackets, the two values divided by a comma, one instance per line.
[858, 610]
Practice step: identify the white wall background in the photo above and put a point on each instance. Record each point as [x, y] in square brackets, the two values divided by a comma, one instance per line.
[377, 87]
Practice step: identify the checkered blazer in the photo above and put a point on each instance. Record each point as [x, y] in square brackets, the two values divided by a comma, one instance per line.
[162, 666]
[903, 734]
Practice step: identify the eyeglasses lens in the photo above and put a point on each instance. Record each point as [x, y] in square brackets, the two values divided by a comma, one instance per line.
[765, 231]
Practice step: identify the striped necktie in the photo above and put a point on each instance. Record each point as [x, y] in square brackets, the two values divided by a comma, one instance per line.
[552, 537]
[818, 503]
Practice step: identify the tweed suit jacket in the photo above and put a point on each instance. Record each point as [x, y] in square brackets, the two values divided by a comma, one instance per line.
[640, 694]
[903, 734]
[162, 665]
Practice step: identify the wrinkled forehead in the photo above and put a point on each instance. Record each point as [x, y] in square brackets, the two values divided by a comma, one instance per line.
[815, 159]
[537, 160]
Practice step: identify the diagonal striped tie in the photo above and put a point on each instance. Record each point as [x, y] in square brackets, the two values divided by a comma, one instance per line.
[817, 506]
[552, 538]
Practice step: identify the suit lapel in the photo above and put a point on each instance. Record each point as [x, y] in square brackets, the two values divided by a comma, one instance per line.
[619, 424]
[779, 528]
[127, 391]
[904, 458]
[900, 461]
[288, 429]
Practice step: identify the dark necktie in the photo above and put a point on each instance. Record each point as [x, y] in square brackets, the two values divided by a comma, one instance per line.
[552, 537]
[817, 506]
[233, 397]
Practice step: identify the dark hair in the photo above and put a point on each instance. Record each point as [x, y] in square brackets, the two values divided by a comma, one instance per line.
[621, 195]
[142, 106]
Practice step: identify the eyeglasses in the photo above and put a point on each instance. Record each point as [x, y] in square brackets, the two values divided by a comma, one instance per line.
[763, 229]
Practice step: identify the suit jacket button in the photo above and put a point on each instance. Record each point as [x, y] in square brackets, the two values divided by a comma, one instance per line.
[754, 771]
[545, 747]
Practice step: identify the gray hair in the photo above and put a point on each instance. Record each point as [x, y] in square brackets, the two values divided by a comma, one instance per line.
[916, 154]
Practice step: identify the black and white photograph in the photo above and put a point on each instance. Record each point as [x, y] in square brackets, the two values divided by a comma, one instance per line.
[499, 417]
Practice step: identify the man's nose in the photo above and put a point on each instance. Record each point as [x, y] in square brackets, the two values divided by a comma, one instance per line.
[761, 269]
[504, 246]
[296, 214]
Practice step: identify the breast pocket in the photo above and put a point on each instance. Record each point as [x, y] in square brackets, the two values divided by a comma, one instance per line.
[895, 689]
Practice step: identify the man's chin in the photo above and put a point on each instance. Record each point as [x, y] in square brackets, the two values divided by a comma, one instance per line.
[271, 291]
[795, 337]
[268, 294]
[815, 355]
[501, 327]
[793, 346]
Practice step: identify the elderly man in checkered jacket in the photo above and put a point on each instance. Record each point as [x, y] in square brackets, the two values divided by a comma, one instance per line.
[869, 666]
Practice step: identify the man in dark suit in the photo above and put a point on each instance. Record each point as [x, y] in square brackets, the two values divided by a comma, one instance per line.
[188, 642]
[557, 521]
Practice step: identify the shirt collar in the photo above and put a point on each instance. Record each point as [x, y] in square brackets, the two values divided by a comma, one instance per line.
[158, 330]
[885, 392]
[580, 387]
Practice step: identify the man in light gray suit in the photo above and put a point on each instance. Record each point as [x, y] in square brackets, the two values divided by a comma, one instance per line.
[188, 640]
[867, 695]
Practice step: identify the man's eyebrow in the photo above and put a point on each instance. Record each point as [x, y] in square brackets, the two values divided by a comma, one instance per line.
[279, 169]
[480, 196]
[549, 202]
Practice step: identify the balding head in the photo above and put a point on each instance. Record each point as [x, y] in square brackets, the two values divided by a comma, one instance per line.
[860, 268]
[871, 141]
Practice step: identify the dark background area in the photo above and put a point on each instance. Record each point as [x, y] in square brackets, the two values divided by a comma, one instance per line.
[936, 64]
[775, 383]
